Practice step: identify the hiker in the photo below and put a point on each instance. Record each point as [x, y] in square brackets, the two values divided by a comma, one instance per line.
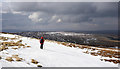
[41, 42]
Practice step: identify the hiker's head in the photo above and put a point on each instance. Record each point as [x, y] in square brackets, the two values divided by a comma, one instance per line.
[41, 37]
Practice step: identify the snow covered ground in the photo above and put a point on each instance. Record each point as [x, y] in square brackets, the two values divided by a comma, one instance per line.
[53, 55]
[68, 33]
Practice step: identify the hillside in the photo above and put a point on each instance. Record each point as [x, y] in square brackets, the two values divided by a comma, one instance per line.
[18, 51]
[82, 38]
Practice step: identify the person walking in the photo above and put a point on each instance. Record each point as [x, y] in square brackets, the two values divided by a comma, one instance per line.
[41, 42]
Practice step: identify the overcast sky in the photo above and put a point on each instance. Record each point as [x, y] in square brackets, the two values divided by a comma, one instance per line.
[59, 16]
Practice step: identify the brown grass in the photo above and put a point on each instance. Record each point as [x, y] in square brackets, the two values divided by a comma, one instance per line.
[34, 61]
[112, 60]
[3, 48]
[28, 46]
[5, 45]
[0, 57]
[14, 48]
[17, 58]
[9, 59]
[39, 66]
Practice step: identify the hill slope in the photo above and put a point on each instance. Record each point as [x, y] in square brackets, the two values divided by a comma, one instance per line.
[53, 55]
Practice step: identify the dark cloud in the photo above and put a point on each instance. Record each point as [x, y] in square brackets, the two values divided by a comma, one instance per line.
[61, 15]
[14, 21]
[106, 8]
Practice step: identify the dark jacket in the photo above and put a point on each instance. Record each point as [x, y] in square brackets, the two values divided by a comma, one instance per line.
[42, 40]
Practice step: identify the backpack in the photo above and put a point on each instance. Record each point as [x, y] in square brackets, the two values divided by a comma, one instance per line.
[41, 41]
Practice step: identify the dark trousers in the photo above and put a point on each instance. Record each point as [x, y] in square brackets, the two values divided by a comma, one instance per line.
[41, 46]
